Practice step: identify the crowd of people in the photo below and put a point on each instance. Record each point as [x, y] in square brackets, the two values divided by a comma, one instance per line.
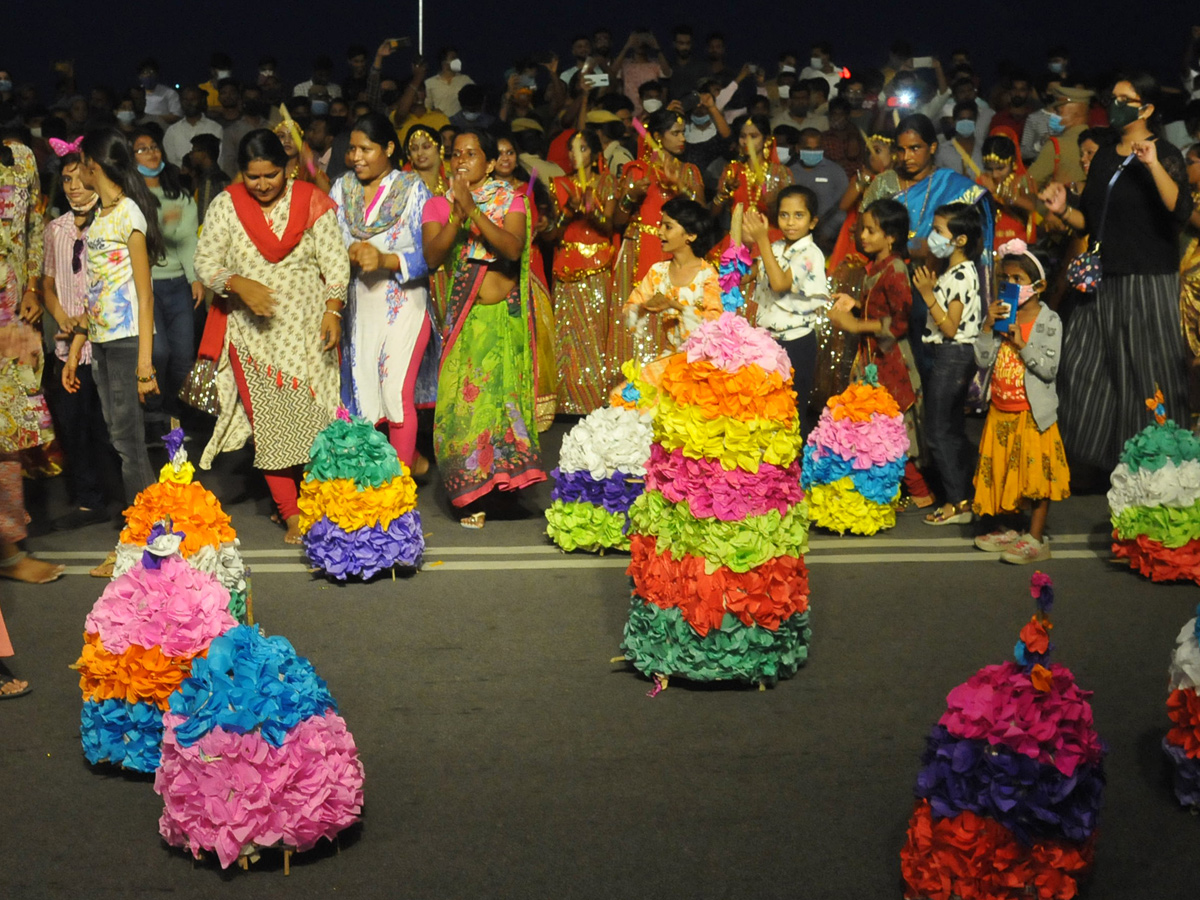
[408, 237]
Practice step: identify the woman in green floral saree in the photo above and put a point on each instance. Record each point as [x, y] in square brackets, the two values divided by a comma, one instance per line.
[484, 432]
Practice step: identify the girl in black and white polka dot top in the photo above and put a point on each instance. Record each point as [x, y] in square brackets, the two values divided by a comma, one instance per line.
[955, 313]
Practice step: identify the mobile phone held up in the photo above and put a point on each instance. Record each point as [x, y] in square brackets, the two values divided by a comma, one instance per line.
[922, 62]
[398, 42]
[596, 80]
[1008, 294]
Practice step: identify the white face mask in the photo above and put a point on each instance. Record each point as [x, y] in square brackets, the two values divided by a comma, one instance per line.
[784, 154]
[652, 105]
[817, 63]
[222, 74]
[35, 130]
[456, 65]
[126, 116]
[785, 91]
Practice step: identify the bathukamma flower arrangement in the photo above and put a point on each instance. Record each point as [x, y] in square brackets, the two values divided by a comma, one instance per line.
[720, 591]
[358, 502]
[1182, 742]
[601, 471]
[1155, 500]
[255, 754]
[854, 460]
[1011, 782]
[141, 640]
[209, 542]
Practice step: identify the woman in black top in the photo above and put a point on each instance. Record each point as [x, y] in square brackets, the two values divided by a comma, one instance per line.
[1127, 341]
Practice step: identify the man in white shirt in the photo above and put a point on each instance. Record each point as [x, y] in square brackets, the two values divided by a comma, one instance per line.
[177, 141]
[798, 114]
[581, 49]
[162, 102]
[441, 91]
[820, 65]
[322, 71]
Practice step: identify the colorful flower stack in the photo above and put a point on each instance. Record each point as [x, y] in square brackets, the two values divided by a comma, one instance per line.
[854, 460]
[1011, 782]
[1182, 742]
[209, 541]
[720, 587]
[601, 471]
[255, 754]
[141, 640]
[358, 503]
[1155, 500]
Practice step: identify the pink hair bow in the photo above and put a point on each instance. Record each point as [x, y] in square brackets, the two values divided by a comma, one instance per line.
[62, 148]
[1014, 247]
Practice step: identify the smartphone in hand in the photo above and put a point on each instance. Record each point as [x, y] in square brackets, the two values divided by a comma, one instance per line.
[1008, 294]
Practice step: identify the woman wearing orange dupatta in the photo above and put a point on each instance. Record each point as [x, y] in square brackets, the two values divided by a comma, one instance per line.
[272, 250]
[1005, 177]
[656, 176]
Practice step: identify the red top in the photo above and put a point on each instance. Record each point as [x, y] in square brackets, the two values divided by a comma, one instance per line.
[886, 293]
[648, 217]
[1008, 375]
[584, 249]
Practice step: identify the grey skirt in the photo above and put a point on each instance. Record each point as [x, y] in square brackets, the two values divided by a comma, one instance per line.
[1117, 349]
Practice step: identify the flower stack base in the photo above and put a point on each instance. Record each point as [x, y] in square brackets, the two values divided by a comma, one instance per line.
[256, 727]
[1155, 503]
[854, 460]
[601, 471]
[358, 503]
[1011, 782]
[1182, 743]
[720, 591]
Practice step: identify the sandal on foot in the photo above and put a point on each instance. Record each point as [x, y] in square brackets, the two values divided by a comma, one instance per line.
[105, 569]
[24, 568]
[475, 521]
[957, 515]
[14, 692]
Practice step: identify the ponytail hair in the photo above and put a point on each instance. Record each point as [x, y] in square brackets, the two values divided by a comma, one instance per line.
[109, 149]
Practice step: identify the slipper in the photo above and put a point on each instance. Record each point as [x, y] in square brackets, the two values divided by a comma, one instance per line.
[10, 695]
[52, 573]
[475, 521]
[105, 569]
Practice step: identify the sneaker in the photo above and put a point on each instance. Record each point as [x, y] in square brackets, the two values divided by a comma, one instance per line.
[1027, 550]
[997, 541]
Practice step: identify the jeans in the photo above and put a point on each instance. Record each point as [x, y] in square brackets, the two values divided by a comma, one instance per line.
[79, 424]
[174, 342]
[802, 353]
[951, 366]
[114, 367]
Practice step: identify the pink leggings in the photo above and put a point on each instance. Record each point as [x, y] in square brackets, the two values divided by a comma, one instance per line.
[403, 435]
[284, 485]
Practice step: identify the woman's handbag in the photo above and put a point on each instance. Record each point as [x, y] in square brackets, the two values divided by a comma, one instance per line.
[1085, 272]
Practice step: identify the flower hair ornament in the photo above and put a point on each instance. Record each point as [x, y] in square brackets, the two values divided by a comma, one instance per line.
[1017, 247]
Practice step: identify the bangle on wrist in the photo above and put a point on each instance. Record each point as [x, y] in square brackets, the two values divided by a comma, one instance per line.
[333, 312]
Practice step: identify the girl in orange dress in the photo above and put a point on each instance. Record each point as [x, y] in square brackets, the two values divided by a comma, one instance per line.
[656, 176]
[583, 261]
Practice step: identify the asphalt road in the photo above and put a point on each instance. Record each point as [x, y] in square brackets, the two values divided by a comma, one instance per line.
[507, 757]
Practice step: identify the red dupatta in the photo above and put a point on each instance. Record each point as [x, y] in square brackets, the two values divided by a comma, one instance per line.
[306, 198]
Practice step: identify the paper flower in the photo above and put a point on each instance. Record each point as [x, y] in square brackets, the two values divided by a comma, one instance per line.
[1159, 563]
[747, 393]
[868, 443]
[249, 681]
[353, 450]
[175, 608]
[122, 733]
[586, 526]
[729, 342]
[1173, 484]
[841, 507]
[711, 491]
[365, 551]
[1156, 445]
[136, 675]
[766, 595]
[191, 509]
[614, 494]
[350, 507]
[1186, 775]
[607, 441]
[660, 641]
[734, 443]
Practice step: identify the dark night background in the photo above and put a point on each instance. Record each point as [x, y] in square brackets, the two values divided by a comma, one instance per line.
[107, 40]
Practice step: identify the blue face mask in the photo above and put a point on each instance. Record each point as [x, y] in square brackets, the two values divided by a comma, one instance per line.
[965, 127]
[1055, 124]
[147, 172]
[5, 86]
[319, 107]
[811, 158]
[701, 121]
[940, 245]
[148, 82]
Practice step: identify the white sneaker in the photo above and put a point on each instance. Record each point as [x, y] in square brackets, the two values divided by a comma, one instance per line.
[997, 541]
[1027, 550]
